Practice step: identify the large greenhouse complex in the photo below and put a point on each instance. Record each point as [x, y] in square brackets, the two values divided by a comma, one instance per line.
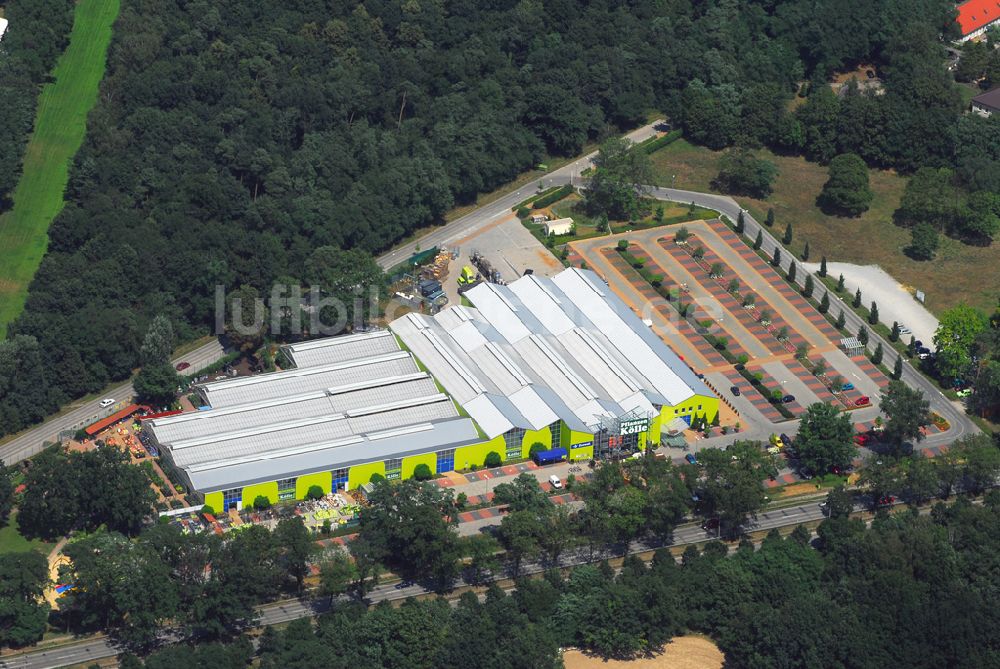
[559, 362]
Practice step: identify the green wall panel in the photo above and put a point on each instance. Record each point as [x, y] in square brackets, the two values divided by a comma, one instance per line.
[214, 500]
[410, 463]
[475, 454]
[358, 475]
[252, 492]
[543, 437]
[302, 484]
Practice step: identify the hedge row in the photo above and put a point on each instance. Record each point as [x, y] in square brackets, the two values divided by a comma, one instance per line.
[552, 197]
[651, 145]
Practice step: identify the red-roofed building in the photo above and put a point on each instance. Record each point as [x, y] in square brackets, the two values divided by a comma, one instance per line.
[975, 17]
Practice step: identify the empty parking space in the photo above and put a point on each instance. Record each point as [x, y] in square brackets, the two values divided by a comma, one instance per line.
[723, 326]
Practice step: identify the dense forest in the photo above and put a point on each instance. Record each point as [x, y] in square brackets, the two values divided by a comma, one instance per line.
[910, 591]
[37, 34]
[233, 139]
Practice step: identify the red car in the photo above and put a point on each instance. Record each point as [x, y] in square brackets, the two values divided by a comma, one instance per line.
[862, 439]
[862, 401]
[181, 366]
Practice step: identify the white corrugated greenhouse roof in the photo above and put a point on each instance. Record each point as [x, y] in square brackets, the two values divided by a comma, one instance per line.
[333, 350]
[544, 349]
[319, 418]
[279, 385]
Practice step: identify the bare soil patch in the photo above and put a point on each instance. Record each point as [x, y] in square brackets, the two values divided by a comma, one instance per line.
[685, 652]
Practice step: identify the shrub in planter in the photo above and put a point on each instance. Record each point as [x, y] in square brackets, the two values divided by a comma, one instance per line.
[536, 447]
[422, 472]
[261, 503]
[315, 492]
[207, 510]
[492, 460]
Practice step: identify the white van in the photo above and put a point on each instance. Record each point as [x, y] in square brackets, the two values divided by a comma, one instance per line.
[105, 403]
[555, 482]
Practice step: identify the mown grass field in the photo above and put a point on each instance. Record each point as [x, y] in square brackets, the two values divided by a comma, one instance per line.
[60, 123]
[12, 541]
[959, 273]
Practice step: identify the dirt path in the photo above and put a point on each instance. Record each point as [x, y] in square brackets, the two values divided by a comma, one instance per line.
[56, 559]
[686, 652]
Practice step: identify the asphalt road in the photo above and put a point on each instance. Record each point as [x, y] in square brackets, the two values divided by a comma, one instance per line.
[281, 612]
[29, 442]
[461, 227]
[960, 423]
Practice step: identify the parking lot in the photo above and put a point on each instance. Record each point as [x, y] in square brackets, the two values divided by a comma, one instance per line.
[509, 248]
[746, 327]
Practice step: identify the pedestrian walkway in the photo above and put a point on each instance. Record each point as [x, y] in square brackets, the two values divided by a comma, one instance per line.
[760, 342]
[795, 306]
[815, 386]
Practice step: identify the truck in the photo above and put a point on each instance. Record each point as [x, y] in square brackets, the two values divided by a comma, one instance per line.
[467, 275]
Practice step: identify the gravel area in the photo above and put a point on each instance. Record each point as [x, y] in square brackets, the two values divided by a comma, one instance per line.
[895, 302]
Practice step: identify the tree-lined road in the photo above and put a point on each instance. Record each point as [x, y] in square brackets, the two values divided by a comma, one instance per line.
[282, 612]
[30, 441]
[960, 423]
[461, 227]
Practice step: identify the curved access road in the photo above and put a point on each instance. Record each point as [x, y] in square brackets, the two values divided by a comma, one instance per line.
[960, 423]
[483, 216]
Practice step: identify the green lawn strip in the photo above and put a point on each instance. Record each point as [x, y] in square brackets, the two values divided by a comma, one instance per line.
[959, 272]
[60, 124]
[12, 541]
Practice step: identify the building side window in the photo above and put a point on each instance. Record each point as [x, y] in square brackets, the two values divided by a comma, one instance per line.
[556, 431]
[286, 488]
[513, 438]
[231, 499]
[339, 477]
[394, 469]
[446, 460]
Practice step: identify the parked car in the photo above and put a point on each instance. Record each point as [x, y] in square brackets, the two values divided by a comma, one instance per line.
[106, 402]
[965, 392]
[710, 524]
[863, 401]
[806, 473]
[555, 481]
[870, 74]
[181, 366]
[788, 399]
[691, 459]
[847, 386]
[886, 500]
[735, 390]
[862, 439]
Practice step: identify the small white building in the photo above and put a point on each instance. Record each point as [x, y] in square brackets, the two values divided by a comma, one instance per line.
[539, 218]
[3, 26]
[986, 104]
[560, 226]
